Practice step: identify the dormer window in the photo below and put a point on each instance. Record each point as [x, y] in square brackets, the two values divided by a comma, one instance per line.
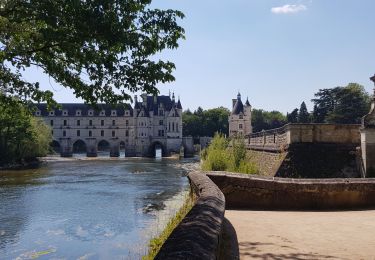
[241, 116]
[37, 113]
[102, 113]
[78, 112]
[51, 113]
[91, 112]
[127, 112]
[65, 112]
[113, 113]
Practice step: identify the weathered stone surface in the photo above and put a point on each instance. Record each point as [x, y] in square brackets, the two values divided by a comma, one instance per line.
[256, 192]
[197, 236]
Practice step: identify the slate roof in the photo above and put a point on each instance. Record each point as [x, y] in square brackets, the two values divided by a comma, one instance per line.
[238, 107]
[167, 102]
[72, 107]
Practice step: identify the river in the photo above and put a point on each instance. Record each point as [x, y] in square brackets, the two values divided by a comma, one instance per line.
[88, 209]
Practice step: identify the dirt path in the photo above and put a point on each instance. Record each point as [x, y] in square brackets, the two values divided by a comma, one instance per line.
[304, 235]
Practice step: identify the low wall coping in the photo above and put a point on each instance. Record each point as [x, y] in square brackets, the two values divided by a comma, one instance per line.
[198, 234]
[258, 192]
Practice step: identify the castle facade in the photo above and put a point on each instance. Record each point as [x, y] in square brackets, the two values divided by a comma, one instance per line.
[153, 121]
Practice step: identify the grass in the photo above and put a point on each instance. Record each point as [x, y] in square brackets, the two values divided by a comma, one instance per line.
[157, 242]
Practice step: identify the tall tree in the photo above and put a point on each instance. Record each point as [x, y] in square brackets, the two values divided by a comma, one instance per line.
[303, 115]
[293, 116]
[341, 104]
[101, 49]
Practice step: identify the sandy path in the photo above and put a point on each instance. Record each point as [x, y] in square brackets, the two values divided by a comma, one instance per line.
[304, 235]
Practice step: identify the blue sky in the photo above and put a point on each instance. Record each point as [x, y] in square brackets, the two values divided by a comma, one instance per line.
[278, 53]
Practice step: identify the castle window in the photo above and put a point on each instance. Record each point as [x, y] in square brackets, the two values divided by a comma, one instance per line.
[127, 112]
[78, 133]
[113, 112]
[173, 127]
[78, 122]
[240, 126]
[90, 122]
[102, 122]
[51, 122]
[102, 133]
[90, 133]
[78, 112]
[65, 122]
[51, 113]
[102, 113]
[37, 113]
[113, 122]
[127, 122]
[160, 122]
[64, 133]
[241, 116]
[65, 112]
[91, 113]
[127, 133]
[113, 133]
[161, 113]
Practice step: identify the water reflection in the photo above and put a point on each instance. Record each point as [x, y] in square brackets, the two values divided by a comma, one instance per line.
[94, 208]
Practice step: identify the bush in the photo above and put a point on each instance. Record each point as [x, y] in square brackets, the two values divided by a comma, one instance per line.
[222, 155]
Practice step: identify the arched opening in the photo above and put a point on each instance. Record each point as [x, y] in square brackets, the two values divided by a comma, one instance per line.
[157, 150]
[79, 148]
[55, 147]
[122, 149]
[104, 148]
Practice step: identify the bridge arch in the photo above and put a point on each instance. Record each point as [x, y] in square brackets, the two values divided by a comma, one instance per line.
[157, 145]
[79, 146]
[104, 147]
[55, 146]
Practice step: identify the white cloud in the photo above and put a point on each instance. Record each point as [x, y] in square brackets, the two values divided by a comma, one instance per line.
[288, 9]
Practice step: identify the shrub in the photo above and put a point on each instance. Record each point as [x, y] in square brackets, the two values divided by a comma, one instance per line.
[223, 155]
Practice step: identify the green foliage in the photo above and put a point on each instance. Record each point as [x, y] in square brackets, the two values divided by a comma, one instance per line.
[293, 116]
[344, 105]
[303, 115]
[264, 120]
[21, 136]
[205, 122]
[100, 49]
[222, 155]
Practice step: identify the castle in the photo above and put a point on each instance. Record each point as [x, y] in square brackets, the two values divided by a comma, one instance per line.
[240, 118]
[153, 122]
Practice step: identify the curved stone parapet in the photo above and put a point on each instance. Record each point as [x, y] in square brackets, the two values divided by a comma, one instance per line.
[255, 192]
[197, 236]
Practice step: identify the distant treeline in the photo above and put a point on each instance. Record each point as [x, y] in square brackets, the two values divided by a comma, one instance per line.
[342, 105]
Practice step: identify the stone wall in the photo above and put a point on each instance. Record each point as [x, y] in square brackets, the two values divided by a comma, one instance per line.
[255, 192]
[198, 234]
[279, 139]
[268, 163]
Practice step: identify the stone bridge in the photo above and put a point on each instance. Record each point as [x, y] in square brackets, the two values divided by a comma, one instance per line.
[114, 146]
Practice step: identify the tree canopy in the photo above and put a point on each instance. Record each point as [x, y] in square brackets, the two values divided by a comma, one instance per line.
[205, 122]
[264, 120]
[346, 105]
[22, 136]
[101, 49]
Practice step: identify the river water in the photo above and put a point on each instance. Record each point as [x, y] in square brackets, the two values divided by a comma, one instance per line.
[88, 209]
